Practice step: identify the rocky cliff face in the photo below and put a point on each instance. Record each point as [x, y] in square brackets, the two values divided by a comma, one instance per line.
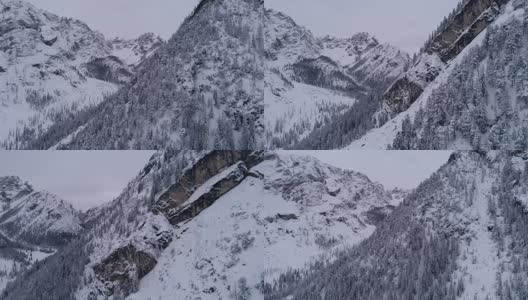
[208, 179]
[462, 29]
[172, 202]
[123, 268]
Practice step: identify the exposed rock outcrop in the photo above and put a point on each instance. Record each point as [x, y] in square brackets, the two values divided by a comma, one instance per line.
[401, 95]
[465, 26]
[212, 176]
[221, 187]
[210, 165]
[123, 268]
[110, 69]
[324, 72]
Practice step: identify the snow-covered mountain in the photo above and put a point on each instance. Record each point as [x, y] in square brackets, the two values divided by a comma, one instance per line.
[310, 80]
[133, 51]
[311, 209]
[212, 225]
[466, 89]
[200, 90]
[130, 238]
[460, 235]
[33, 225]
[51, 67]
[35, 216]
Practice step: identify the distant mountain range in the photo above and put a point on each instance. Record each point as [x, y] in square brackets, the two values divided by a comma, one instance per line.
[53, 66]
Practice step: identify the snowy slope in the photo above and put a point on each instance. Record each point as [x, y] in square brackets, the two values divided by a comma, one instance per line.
[292, 109]
[51, 66]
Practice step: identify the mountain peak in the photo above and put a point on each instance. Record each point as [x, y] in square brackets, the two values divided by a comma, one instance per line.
[356, 45]
[132, 51]
[12, 187]
[36, 217]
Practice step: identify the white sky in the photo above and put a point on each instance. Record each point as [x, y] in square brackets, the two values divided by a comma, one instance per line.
[124, 18]
[403, 23]
[84, 178]
[403, 169]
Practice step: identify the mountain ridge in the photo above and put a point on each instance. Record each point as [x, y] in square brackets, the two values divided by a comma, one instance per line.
[53, 66]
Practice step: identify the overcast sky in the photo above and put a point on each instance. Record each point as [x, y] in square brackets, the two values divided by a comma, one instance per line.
[124, 18]
[83, 178]
[402, 169]
[403, 23]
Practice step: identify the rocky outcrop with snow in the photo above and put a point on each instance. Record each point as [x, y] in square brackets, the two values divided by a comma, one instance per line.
[312, 209]
[51, 66]
[200, 90]
[133, 51]
[311, 80]
[35, 217]
[463, 27]
[472, 101]
[33, 225]
[457, 236]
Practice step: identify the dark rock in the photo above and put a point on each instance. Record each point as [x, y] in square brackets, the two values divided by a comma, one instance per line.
[333, 193]
[465, 27]
[376, 215]
[207, 199]
[123, 269]
[110, 69]
[210, 165]
[324, 72]
[50, 42]
[476, 16]
[287, 217]
[401, 95]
